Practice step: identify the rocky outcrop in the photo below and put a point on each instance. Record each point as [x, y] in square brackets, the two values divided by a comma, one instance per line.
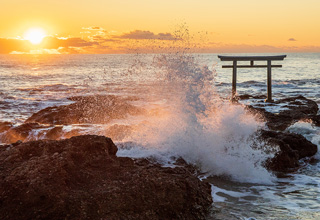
[315, 120]
[4, 126]
[247, 96]
[292, 148]
[36, 131]
[48, 123]
[82, 178]
[95, 109]
[21, 132]
[296, 108]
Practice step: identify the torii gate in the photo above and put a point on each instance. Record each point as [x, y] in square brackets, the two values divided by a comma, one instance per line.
[235, 59]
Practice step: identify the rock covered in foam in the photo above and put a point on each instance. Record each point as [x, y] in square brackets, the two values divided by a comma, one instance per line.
[293, 147]
[97, 109]
[82, 178]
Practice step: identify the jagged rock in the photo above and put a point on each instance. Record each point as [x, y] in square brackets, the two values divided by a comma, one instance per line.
[4, 126]
[247, 96]
[35, 131]
[298, 108]
[315, 120]
[95, 109]
[82, 178]
[293, 147]
[55, 133]
[21, 132]
[72, 133]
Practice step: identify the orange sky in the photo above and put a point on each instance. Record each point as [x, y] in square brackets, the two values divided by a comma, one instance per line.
[122, 26]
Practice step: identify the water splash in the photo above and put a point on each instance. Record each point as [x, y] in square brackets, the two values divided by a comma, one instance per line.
[196, 124]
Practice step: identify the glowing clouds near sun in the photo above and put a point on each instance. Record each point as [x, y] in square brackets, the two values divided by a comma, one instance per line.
[34, 35]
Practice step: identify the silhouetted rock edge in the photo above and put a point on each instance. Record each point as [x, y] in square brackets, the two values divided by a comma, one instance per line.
[82, 178]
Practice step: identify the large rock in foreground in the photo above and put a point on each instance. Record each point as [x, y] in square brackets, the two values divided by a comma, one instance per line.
[82, 178]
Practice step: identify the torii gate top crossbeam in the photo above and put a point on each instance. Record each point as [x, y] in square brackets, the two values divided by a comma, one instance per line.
[251, 58]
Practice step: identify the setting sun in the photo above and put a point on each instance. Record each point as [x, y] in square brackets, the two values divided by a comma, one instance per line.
[35, 35]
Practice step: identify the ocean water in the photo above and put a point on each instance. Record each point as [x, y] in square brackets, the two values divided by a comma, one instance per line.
[188, 114]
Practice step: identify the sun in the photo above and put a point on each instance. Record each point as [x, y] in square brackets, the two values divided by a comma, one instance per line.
[34, 35]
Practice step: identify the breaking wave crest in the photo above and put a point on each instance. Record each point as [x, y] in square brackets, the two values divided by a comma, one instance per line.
[195, 123]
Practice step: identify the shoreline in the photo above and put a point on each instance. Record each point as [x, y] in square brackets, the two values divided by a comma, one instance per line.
[293, 148]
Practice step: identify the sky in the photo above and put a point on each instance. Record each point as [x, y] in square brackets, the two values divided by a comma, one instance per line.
[125, 26]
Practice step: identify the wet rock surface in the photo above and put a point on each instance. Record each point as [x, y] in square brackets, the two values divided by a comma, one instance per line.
[20, 132]
[97, 109]
[4, 126]
[82, 178]
[295, 109]
[49, 123]
[293, 147]
[279, 115]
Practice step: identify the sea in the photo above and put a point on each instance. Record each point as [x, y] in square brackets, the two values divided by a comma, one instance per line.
[189, 115]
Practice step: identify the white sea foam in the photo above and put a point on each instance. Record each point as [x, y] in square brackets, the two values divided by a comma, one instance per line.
[216, 198]
[196, 124]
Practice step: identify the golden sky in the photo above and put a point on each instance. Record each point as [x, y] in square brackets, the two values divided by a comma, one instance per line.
[122, 26]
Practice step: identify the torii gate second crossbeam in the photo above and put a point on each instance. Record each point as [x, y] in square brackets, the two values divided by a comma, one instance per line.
[235, 59]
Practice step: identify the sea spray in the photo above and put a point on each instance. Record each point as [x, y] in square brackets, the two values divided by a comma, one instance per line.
[196, 124]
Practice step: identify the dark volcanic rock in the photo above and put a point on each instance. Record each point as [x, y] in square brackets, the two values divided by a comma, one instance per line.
[247, 96]
[315, 120]
[20, 132]
[55, 133]
[96, 109]
[4, 126]
[293, 147]
[299, 108]
[82, 178]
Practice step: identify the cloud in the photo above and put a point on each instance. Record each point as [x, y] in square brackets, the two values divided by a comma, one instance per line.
[292, 39]
[146, 35]
[48, 45]
[54, 42]
[107, 43]
[94, 28]
[101, 39]
[8, 45]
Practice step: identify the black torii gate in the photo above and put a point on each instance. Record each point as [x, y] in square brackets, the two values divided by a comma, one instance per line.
[235, 59]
